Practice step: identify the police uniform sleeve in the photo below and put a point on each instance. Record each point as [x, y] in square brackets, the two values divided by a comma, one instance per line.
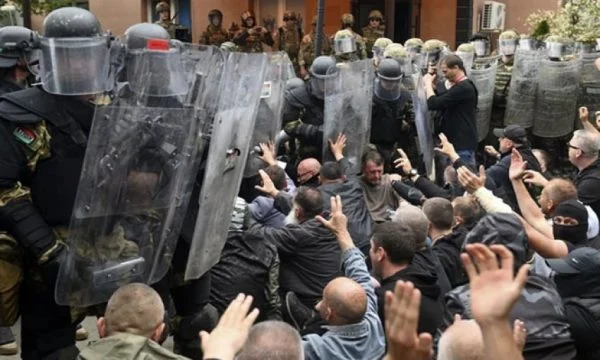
[18, 215]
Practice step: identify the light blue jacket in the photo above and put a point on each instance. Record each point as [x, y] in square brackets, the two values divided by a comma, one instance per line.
[364, 340]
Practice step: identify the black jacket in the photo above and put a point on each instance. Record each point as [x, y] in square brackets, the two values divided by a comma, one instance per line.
[588, 183]
[250, 267]
[309, 254]
[539, 307]
[425, 278]
[447, 250]
[458, 106]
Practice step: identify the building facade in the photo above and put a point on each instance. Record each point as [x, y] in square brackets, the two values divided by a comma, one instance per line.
[452, 21]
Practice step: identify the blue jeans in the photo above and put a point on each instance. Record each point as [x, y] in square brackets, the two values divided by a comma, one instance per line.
[468, 157]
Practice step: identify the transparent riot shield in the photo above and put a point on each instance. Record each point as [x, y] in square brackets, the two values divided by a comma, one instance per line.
[520, 104]
[484, 79]
[270, 110]
[589, 95]
[424, 125]
[240, 91]
[556, 102]
[132, 195]
[467, 59]
[348, 99]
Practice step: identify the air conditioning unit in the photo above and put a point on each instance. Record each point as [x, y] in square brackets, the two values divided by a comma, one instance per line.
[494, 14]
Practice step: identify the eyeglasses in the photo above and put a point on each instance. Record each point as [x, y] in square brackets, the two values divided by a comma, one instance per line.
[289, 19]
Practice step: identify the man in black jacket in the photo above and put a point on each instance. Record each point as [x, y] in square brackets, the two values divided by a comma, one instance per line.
[309, 253]
[393, 247]
[457, 105]
[578, 284]
[583, 154]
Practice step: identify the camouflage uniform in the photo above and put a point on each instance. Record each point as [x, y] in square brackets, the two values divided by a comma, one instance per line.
[347, 24]
[306, 55]
[214, 34]
[342, 55]
[168, 25]
[252, 43]
[371, 34]
[503, 77]
[288, 40]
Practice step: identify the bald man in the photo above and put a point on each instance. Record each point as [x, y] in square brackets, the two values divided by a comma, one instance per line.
[462, 341]
[131, 327]
[349, 305]
[308, 172]
[272, 340]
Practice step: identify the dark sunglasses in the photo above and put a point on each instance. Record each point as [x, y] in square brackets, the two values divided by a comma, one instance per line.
[289, 19]
[375, 19]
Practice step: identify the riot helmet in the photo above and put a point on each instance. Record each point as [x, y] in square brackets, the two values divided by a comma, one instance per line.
[558, 46]
[154, 64]
[388, 83]
[344, 42]
[432, 53]
[481, 42]
[75, 53]
[466, 52]
[215, 17]
[526, 42]
[322, 68]
[379, 47]
[507, 43]
[17, 42]
[413, 46]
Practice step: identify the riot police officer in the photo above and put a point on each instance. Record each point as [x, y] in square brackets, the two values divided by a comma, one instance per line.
[17, 58]
[43, 133]
[304, 106]
[391, 117]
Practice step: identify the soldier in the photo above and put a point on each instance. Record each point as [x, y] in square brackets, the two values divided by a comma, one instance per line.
[164, 18]
[43, 133]
[306, 55]
[347, 23]
[392, 121]
[288, 39]
[250, 38]
[303, 108]
[482, 45]
[507, 46]
[344, 45]
[373, 31]
[466, 52]
[214, 34]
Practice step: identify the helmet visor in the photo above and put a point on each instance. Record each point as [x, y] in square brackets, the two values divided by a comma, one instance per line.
[75, 66]
[156, 72]
[507, 47]
[480, 47]
[345, 45]
[388, 90]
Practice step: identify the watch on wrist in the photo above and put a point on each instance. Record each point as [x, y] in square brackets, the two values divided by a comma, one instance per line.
[412, 173]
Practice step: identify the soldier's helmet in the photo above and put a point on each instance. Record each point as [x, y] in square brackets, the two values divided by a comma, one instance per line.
[382, 43]
[247, 15]
[507, 42]
[162, 7]
[17, 42]
[395, 51]
[375, 15]
[344, 42]
[75, 53]
[466, 48]
[321, 68]
[432, 50]
[347, 20]
[413, 45]
[215, 13]
[388, 84]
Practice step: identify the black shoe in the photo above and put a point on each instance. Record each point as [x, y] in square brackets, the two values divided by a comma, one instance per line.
[296, 311]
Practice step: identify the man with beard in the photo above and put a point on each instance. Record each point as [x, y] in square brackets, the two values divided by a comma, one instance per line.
[306, 54]
[380, 195]
[289, 37]
[309, 254]
[214, 34]
[250, 37]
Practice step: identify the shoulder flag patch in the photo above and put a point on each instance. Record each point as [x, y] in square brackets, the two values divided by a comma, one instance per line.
[24, 135]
